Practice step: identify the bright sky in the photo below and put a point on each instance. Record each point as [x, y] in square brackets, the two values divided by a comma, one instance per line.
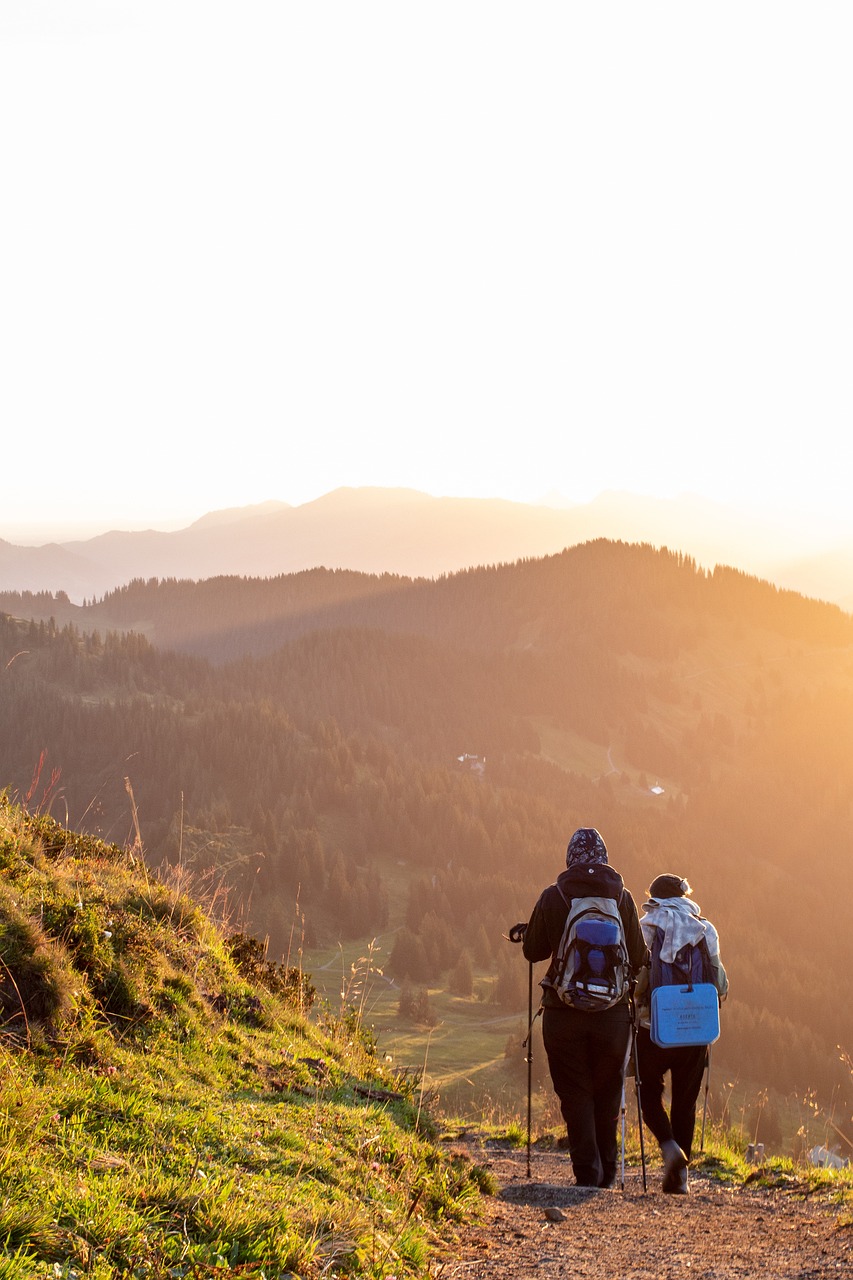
[263, 249]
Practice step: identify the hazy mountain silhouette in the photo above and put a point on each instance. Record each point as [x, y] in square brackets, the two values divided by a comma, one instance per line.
[825, 577]
[48, 568]
[403, 531]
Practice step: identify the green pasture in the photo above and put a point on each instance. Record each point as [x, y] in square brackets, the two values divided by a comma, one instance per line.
[459, 1054]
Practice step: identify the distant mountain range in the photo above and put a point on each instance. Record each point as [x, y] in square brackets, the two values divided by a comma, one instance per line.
[403, 531]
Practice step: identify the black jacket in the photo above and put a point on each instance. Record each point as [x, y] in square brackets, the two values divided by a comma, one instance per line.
[545, 927]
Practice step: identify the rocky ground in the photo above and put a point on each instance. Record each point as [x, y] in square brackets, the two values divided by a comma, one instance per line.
[543, 1226]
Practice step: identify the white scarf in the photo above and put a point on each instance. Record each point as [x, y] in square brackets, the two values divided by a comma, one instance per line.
[679, 922]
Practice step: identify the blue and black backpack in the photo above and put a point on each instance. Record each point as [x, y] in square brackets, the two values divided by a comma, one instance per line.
[691, 965]
[591, 970]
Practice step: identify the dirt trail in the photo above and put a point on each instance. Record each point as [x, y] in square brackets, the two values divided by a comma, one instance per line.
[545, 1227]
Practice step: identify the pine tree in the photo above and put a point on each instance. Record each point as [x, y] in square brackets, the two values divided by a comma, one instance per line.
[461, 982]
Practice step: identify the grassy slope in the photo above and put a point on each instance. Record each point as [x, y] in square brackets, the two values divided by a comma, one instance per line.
[164, 1114]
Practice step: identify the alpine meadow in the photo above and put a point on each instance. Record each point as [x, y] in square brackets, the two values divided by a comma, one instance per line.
[377, 775]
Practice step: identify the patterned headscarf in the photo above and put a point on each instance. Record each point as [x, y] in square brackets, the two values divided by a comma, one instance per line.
[586, 847]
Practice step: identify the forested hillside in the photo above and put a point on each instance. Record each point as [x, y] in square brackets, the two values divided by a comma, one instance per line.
[312, 739]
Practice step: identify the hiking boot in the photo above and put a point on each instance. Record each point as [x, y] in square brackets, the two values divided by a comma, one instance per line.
[674, 1168]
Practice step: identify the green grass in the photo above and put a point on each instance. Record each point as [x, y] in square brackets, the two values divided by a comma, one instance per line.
[461, 1058]
[724, 1160]
[166, 1111]
[196, 1168]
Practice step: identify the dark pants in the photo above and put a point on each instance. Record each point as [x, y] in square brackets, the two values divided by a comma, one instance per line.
[686, 1066]
[587, 1053]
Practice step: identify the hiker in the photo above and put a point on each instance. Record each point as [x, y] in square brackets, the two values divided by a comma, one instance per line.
[586, 1050]
[671, 911]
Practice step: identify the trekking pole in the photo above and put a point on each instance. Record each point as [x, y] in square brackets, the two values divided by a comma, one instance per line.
[707, 1087]
[516, 934]
[637, 1086]
[623, 1109]
[529, 1057]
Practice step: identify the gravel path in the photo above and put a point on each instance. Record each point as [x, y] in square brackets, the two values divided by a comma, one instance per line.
[545, 1227]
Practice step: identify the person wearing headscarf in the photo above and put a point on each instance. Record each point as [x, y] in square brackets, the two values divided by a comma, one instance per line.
[587, 1051]
[673, 914]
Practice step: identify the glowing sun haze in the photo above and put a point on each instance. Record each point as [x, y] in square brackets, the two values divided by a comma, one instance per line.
[263, 250]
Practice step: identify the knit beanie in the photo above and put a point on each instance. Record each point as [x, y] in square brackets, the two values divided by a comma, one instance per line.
[586, 847]
[669, 886]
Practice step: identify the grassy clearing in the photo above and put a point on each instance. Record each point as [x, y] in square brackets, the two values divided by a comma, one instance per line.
[460, 1059]
[173, 1105]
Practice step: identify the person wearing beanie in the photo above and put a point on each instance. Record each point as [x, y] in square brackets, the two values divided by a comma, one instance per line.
[673, 919]
[587, 1052]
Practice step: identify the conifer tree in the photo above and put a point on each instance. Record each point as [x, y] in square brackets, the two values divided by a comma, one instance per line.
[461, 981]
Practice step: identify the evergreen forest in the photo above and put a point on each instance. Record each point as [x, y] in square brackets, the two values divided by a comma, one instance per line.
[313, 746]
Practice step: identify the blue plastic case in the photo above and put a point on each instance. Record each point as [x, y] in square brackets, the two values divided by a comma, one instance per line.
[685, 1015]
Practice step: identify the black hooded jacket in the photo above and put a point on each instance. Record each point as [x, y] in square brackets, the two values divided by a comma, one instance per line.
[545, 927]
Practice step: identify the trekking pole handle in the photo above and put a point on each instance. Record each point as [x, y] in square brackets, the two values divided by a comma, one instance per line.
[517, 932]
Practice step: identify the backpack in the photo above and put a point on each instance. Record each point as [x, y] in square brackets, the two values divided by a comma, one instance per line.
[692, 964]
[591, 963]
[685, 1005]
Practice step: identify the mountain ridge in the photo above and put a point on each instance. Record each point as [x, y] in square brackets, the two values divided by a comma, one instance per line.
[404, 531]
